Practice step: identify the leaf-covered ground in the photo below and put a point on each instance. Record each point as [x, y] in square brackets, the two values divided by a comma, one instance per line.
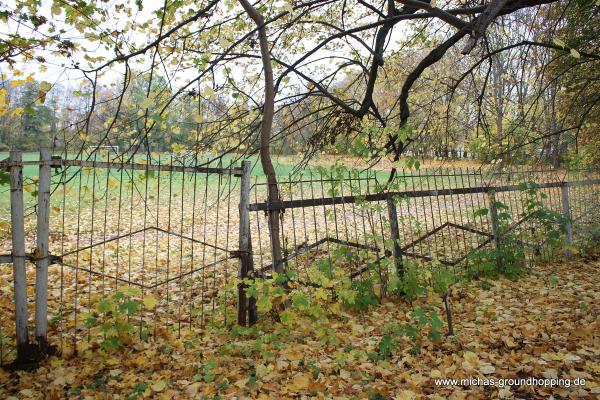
[544, 325]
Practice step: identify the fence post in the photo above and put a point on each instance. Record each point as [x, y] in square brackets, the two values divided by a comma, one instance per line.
[18, 255]
[495, 227]
[41, 252]
[395, 231]
[252, 310]
[566, 209]
[244, 243]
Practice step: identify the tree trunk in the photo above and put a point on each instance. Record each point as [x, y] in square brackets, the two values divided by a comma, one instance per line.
[265, 135]
[555, 146]
[498, 90]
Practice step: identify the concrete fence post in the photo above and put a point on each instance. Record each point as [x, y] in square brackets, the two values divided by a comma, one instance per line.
[18, 255]
[245, 256]
[41, 253]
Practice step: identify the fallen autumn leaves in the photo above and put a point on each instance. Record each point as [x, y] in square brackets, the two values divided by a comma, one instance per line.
[534, 327]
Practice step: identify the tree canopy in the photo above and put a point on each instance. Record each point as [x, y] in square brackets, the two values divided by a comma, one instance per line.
[502, 79]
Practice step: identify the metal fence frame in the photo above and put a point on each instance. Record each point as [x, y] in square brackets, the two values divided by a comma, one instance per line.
[250, 244]
[392, 230]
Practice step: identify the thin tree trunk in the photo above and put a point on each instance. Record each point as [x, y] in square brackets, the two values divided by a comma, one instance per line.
[265, 134]
[498, 80]
[555, 147]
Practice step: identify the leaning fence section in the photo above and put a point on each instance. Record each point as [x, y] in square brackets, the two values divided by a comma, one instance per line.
[437, 217]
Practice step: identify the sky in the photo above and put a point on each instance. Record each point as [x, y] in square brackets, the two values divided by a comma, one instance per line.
[58, 69]
[56, 65]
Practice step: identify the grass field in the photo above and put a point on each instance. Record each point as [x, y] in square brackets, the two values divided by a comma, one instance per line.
[285, 166]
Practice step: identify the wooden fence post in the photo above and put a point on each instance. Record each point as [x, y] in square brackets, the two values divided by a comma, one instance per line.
[395, 231]
[18, 255]
[495, 227]
[41, 252]
[566, 209]
[244, 243]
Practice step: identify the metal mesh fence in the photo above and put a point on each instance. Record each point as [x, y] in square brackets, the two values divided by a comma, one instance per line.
[171, 229]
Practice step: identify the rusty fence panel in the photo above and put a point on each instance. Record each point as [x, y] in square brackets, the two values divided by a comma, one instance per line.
[160, 230]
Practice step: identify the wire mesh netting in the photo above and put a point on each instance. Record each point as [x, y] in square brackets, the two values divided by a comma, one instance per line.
[163, 226]
[438, 212]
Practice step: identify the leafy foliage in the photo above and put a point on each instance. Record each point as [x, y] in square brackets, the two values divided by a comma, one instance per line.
[112, 323]
[509, 258]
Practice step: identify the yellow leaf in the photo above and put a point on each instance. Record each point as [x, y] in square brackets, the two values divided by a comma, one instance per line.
[487, 369]
[471, 361]
[112, 182]
[60, 381]
[261, 370]
[406, 395]
[553, 356]
[299, 383]
[133, 291]
[82, 346]
[471, 357]
[27, 393]
[321, 294]
[55, 9]
[44, 89]
[509, 342]
[113, 361]
[159, 386]
[293, 355]
[192, 390]
[150, 302]
[550, 373]
[435, 374]
[17, 112]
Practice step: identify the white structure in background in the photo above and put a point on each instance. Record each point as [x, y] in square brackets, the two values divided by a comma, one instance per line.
[459, 152]
[109, 149]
